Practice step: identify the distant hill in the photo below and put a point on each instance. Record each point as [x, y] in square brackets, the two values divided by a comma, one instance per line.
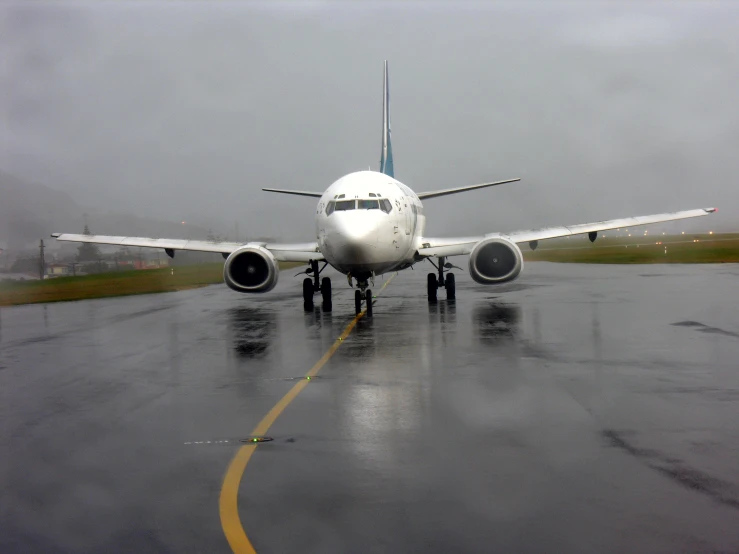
[31, 211]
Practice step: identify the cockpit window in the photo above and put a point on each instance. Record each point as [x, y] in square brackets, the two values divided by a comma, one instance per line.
[340, 196]
[385, 205]
[373, 195]
[330, 207]
[344, 205]
[368, 205]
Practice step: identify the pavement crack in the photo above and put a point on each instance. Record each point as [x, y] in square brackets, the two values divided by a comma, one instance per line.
[705, 328]
[685, 476]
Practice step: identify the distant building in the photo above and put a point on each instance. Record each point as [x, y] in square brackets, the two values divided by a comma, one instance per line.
[151, 264]
[58, 270]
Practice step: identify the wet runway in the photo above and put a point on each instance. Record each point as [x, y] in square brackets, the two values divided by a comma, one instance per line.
[578, 409]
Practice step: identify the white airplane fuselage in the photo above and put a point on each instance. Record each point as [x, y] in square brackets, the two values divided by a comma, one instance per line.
[368, 223]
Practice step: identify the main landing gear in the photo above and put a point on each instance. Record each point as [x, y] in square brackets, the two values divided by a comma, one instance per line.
[312, 286]
[433, 283]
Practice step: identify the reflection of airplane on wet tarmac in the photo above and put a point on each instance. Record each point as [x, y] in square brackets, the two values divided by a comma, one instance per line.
[367, 224]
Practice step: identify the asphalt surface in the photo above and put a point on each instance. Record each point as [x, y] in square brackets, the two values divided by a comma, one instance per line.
[578, 409]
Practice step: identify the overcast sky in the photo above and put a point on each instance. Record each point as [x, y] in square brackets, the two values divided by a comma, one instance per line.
[185, 110]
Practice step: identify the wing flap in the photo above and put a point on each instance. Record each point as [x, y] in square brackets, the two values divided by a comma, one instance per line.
[145, 242]
[285, 252]
[563, 231]
[463, 245]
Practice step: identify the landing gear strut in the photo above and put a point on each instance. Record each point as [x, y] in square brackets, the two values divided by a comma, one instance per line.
[314, 285]
[433, 283]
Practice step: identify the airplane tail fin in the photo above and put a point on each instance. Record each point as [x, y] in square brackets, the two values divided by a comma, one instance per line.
[386, 158]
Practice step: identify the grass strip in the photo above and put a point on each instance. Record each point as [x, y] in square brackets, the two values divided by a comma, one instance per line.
[114, 283]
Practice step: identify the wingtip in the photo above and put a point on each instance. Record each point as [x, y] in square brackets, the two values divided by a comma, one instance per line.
[55, 235]
[711, 210]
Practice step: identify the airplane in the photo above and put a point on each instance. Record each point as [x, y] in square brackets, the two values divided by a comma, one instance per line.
[367, 224]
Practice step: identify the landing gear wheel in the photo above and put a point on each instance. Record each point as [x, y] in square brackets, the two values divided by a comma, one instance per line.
[368, 297]
[357, 302]
[432, 286]
[308, 294]
[451, 292]
[326, 294]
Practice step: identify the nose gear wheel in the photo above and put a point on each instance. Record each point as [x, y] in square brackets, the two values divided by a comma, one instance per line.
[357, 302]
[326, 294]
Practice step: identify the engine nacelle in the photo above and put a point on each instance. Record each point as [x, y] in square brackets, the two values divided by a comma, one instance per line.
[251, 269]
[495, 260]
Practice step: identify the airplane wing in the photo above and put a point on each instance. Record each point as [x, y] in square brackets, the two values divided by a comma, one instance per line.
[444, 192]
[463, 245]
[284, 252]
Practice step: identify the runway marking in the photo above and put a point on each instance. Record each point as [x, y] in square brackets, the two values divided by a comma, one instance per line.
[228, 503]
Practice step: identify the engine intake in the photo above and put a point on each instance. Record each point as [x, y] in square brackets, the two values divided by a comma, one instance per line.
[251, 269]
[495, 260]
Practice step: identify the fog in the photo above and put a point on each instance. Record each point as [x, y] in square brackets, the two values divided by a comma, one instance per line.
[183, 111]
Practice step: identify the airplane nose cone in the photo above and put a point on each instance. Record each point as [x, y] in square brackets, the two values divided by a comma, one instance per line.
[359, 229]
[354, 237]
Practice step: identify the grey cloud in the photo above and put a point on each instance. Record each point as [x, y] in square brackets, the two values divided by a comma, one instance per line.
[185, 110]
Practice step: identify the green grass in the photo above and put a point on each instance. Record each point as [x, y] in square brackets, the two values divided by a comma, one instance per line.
[104, 285]
[639, 249]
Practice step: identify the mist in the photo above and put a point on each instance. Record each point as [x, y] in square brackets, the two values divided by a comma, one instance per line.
[184, 111]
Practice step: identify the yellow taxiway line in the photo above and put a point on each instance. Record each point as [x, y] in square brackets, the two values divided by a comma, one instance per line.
[228, 503]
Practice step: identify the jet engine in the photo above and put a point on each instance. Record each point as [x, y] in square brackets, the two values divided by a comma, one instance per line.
[495, 260]
[251, 268]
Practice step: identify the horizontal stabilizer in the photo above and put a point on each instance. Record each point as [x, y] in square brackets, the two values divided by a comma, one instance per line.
[435, 193]
[297, 192]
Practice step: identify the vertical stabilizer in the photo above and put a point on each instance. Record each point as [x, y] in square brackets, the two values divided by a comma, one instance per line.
[386, 159]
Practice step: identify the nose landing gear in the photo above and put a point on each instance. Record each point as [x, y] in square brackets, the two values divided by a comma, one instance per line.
[363, 293]
[433, 283]
[312, 286]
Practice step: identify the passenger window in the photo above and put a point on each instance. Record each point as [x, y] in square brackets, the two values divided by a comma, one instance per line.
[330, 207]
[368, 205]
[386, 206]
[344, 205]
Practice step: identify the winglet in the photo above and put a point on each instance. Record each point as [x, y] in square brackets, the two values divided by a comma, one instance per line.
[386, 158]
